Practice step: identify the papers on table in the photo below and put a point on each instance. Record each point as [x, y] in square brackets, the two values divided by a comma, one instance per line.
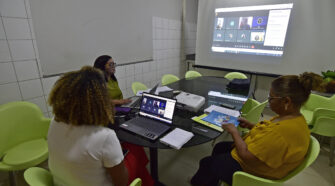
[176, 138]
[158, 90]
[223, 110]
[218, 118]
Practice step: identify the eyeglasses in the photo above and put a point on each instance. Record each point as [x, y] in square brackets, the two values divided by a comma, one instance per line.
[113, 64]
[273, 97]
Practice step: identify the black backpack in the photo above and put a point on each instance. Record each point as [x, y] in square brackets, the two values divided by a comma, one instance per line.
[239, 84]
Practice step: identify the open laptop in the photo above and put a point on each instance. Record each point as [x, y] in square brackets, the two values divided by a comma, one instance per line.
[155, 117]
[135, 100]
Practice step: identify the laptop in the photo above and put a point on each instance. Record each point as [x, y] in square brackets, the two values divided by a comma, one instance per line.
[135, 100]
[155, 117]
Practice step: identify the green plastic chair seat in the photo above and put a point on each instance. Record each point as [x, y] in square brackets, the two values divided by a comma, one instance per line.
[36, 176]
[137, 86]
[168, 79]
[23, 132]
[245, 179]
[192, 74]
[27, 153]
[136, 182]
[235, 75]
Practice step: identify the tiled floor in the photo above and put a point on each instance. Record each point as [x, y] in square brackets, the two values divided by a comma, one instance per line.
[177, 166]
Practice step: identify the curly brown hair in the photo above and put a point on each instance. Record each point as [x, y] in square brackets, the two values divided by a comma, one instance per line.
[81, 98]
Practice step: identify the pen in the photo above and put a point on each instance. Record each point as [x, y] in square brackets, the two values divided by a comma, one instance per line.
[203, 130]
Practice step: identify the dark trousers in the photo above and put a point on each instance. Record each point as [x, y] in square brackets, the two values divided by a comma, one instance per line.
[219, 166]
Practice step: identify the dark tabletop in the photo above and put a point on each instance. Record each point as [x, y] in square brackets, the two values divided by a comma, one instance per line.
[182, 118]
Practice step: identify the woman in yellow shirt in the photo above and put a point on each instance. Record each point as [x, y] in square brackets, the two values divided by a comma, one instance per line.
[272, 148]
[107, 65]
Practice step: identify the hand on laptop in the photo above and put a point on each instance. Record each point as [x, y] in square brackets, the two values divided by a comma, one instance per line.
[125, 101]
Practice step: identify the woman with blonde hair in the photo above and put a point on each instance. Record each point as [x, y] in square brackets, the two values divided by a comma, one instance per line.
[273, 147]
[82, 150]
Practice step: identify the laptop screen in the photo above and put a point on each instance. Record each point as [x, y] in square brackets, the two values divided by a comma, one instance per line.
[157, 107]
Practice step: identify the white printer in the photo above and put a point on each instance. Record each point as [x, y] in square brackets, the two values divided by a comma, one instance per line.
[190, 101]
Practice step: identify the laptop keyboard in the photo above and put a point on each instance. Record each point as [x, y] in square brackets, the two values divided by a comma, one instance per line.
[149, 125]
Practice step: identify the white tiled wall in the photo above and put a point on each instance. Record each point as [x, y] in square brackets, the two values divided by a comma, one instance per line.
[190, 37]
[20, 73]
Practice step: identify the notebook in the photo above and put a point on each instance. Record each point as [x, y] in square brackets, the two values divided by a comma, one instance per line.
[176, 138]
[155, 117]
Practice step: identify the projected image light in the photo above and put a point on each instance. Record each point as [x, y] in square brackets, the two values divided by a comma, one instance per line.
[255, 30]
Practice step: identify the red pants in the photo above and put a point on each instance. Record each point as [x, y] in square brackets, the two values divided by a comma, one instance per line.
[136, 161]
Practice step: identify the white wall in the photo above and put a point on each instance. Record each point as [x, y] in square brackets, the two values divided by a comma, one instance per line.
[20, 74]
[190, 27]
[20, 77]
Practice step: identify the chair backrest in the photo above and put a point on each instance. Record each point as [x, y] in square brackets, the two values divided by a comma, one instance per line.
[255, 112]
[235, 75]
[137, 86]
[192, 74]
[244, 179]
[316, 101]
[20, 122]
[324, 125]
[36, 176]
[248, 105]
[136, 182]
[169, 78]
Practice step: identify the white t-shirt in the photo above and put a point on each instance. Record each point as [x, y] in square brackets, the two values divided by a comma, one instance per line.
[79, 155]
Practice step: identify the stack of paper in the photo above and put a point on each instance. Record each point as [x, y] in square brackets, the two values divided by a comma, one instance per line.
[216, 116]
[176, 138]
[223, 110]
[199, 120]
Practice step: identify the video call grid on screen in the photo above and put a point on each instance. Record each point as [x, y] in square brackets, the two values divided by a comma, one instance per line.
[258, 30]
[158, 107]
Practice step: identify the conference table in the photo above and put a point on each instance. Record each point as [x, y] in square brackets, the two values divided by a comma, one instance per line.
[182, 118]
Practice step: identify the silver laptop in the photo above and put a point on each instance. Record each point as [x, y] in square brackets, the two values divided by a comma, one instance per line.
[155, 117]
[135, 100]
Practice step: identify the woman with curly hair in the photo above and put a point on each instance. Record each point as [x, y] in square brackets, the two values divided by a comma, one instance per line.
[273, 147]
[107, 65]
[82, 150]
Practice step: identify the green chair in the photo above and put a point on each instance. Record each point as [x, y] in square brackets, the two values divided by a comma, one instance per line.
[245, 179]
[235, 75]
[23, 131]
[192, 74]
[137, 86]
[323, 123]
[168, 79]
[136, 182]
[252, 111]
[313, 103]
[36, 176]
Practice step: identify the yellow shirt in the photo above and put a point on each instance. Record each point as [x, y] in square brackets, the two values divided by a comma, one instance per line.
[114, 90]
[280, 146]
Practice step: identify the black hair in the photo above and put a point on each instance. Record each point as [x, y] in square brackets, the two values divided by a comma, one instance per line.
[100, 63]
